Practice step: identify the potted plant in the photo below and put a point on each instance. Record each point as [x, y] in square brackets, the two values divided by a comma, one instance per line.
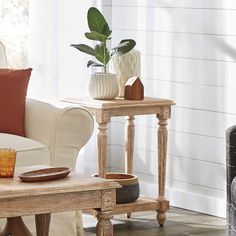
[103, 85]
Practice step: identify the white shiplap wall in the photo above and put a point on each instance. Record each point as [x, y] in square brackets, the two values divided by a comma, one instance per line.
[188, 51]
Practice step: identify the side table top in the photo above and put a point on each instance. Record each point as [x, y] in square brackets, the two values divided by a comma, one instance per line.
[14, 187]
[119, 102]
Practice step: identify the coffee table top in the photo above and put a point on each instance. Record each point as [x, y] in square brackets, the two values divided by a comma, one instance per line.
[14, 187]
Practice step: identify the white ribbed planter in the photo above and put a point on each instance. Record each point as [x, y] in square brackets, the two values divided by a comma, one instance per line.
[126, 66]
[103, 86]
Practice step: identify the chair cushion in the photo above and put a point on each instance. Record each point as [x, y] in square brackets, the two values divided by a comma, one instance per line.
[29, 152]
[13, 89]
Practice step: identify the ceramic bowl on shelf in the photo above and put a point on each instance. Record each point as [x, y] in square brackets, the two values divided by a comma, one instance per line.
[129, 191]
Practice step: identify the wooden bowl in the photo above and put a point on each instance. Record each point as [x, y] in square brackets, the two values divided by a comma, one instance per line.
[129, 192]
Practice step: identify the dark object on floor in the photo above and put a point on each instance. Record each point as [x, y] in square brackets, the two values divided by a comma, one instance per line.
[231, 180]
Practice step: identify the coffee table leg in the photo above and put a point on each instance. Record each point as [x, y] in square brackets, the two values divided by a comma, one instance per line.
[104, 225]
[42, 222]
[15, 226]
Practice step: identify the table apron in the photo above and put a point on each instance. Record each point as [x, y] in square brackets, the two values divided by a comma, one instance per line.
[129, 111]
[33, 205]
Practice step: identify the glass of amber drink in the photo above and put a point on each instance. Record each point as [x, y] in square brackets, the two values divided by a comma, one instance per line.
[7, 162]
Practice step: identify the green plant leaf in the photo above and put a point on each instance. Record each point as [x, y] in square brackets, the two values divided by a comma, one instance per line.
[124, 46]
[93, 35]
[94, 64]
[102, 53]
[106, 30]
[120, 46]
[97, 22]
[84, 48]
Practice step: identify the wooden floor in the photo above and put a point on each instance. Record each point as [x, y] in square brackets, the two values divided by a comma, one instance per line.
[179, 223]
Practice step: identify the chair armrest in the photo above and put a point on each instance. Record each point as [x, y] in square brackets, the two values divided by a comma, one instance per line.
[64, 130]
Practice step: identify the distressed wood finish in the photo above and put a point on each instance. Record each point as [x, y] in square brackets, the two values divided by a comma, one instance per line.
[102, 148]
[129, 141]
[104, 225]
[74, 192]
[162, 151]
[103, 110]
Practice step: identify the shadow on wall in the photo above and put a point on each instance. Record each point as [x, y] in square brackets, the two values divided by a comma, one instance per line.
[186, 56]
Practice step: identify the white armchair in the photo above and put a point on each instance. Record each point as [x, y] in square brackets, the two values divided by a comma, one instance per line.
[54, 136]
[63, 130]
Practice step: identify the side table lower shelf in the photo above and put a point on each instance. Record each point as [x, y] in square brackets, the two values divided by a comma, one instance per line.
[142, 204]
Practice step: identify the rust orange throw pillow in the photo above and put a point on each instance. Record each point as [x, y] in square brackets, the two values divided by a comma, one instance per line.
[13, 90]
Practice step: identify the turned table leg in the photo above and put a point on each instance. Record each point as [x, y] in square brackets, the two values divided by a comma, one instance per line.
[129, 144]
[129, 147]
[162, 153]
[104, 225]
[42, 222]
[104, 216]
[102, 149]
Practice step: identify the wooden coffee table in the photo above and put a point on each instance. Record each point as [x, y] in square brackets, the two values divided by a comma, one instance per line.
[75, 192]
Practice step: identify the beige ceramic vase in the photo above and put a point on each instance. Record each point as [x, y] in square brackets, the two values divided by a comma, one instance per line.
[103, 86]
[126, 66]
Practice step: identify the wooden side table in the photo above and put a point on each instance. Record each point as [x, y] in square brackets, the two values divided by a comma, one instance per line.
[103, 110]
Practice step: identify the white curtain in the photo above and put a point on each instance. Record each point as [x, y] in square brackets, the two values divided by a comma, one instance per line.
[43, 49]
[14, 31]
[58, 69]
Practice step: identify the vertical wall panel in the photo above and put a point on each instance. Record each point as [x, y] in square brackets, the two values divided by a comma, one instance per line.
[188, 51]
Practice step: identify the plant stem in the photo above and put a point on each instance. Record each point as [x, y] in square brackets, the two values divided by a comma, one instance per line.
[104, 56]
